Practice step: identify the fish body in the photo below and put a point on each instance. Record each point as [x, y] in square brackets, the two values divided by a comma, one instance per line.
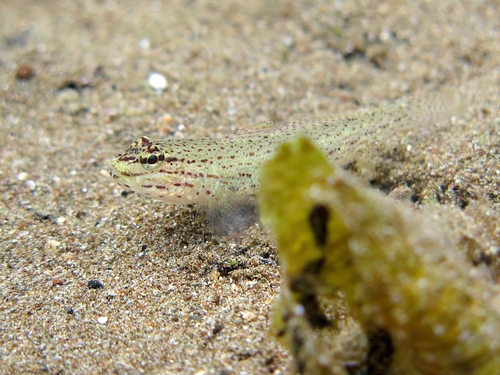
[197, 170]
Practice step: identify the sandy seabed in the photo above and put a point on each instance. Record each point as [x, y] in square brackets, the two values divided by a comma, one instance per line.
[172, 298]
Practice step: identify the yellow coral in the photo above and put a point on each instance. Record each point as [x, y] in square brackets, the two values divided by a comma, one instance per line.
[400, 274]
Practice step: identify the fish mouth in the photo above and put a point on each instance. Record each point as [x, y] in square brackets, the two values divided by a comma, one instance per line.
[121, 171]
[121, 175]
[113, 175]
[119, 179]
[115, 166]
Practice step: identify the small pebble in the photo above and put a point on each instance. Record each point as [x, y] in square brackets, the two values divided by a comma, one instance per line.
[248, 315]
[165, 124]
[25, 72]
[167, 118]
[53, 243]
[179, 132]
[57, 281]
[30, 184]
[289, 40]
[102, 320]
[112, 115]
[23, 176]
[69, 101]
[144, 43]
[43, 215]
[95, 284]
[158, 82]
[52, 247]
[401, 193]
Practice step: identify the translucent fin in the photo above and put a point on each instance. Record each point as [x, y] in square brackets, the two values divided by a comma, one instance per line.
[231, 212]
[232, 217]
[255, 129]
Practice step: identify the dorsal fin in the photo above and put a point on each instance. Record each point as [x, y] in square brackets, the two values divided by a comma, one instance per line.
[255, 129]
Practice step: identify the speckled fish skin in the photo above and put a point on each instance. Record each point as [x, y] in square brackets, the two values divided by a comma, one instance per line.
[194, 170]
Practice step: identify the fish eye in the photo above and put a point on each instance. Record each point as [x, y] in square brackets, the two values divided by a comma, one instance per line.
[152, 161]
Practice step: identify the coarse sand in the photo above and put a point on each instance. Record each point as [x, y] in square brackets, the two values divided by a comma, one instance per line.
[97, 280]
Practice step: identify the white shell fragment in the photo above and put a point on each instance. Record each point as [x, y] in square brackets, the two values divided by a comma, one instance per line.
[144, 43]
[157, 81]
